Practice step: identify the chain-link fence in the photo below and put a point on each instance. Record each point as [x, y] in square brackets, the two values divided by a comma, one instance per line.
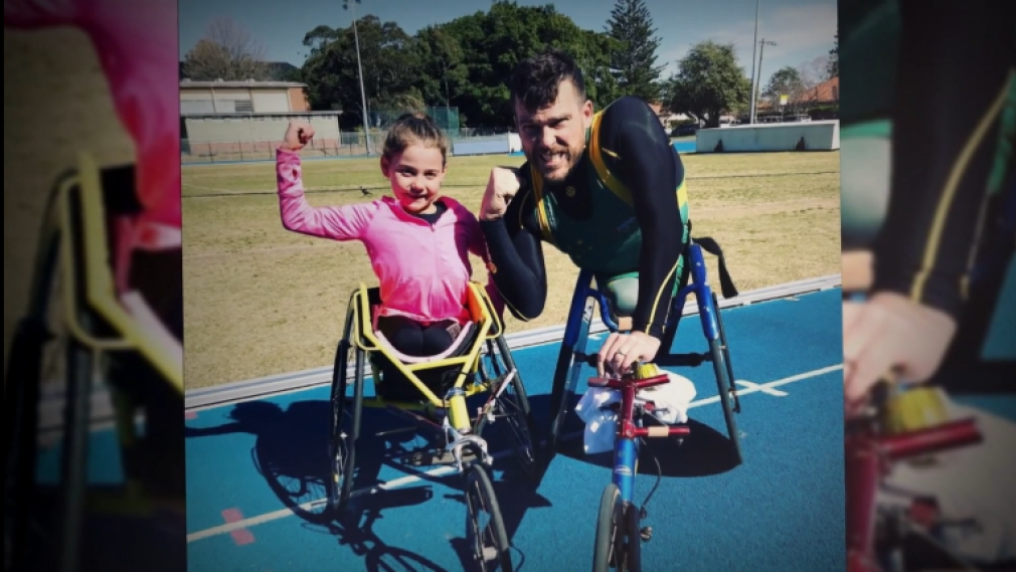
[346, 144]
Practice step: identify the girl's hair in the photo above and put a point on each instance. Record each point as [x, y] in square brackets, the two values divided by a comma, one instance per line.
[415, 128]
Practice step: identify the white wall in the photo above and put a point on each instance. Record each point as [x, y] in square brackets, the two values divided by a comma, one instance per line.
[817, 135]
[200, 100]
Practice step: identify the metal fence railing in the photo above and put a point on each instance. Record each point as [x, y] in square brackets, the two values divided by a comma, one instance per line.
[347, 144]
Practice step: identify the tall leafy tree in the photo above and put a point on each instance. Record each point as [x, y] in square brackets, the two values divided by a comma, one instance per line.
[709, 83]
[444, 69]
[634, 58]
[493, 43]
[391, 66]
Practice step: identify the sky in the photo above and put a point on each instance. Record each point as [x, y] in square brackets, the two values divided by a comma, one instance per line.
[802, 30]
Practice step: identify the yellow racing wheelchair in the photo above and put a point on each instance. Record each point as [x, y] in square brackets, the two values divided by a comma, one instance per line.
[477, 370]
[78, 332]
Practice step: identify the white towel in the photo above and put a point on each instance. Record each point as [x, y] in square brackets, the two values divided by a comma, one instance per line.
[671, 402]
[972, 482]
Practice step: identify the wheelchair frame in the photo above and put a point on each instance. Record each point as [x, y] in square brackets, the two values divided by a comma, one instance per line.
[617, 509]
[875, 533]
[73, 259]
[461, 434]
[573, 347]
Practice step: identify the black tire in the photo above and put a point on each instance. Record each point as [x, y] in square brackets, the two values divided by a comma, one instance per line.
[512, 407]
[726, 351]
[610, 527]
[562, 385]
[22, 393]
[633, 533]
[74, 469]
[345, 427]
[495, 553]
[723, 384]
[734, 404]
[21, 398]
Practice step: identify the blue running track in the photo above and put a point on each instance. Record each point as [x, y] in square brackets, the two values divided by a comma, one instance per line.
[250, 463]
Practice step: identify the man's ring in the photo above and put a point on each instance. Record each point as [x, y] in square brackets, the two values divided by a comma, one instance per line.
[621, 352]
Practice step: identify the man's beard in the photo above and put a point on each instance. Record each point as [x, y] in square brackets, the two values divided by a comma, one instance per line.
[560, 165]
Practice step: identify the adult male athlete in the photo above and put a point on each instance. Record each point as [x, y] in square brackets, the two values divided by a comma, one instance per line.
[606, 188]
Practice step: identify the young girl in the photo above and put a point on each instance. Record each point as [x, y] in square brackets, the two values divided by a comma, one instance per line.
[418, 241]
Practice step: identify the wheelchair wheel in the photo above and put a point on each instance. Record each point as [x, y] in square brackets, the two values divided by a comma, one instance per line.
[724, 371]
[566, 376]
[512, 407]
[491, 549]
[345, 429]
[618, 542]
[45, 353]
[21, 398]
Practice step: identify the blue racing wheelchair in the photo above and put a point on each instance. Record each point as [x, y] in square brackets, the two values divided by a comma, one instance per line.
[693, 280]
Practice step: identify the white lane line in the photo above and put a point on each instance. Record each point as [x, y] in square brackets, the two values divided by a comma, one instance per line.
[751, 385]
[440, 471]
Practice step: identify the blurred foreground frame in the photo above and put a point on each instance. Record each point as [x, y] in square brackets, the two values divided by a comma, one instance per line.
[84, 358]
[898, 521]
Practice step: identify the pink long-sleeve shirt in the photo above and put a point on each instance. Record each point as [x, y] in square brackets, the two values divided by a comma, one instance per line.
[423, 269]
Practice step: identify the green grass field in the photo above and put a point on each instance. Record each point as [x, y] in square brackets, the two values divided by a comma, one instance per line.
[261, 301]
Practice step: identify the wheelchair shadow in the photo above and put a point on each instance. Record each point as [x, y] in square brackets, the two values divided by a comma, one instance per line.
[291, 453]
[703, 453]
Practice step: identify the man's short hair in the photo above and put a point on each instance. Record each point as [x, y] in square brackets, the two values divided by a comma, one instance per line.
[536, 80]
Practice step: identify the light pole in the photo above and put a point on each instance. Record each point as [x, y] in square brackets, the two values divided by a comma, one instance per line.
[359, 66]
[754, 46]
[761, 50]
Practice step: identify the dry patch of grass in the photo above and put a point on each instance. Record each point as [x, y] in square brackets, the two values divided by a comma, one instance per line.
[260, 300]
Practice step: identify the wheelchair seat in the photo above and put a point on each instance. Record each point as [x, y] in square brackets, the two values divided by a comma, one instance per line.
[439, 377]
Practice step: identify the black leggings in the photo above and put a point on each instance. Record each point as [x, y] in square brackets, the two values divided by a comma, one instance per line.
[415, 339]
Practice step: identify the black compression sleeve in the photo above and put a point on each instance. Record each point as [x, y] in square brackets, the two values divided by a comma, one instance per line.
[650, 168]
[515, 251]
[954, 67]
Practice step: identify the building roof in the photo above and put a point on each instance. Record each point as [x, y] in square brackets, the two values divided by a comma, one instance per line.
[248, 84]
[824, 92]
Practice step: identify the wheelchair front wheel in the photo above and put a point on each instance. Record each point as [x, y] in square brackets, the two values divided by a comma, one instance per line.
[618, 539]
[491, 549]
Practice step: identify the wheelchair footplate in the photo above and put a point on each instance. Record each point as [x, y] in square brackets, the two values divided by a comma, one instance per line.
[447, 452]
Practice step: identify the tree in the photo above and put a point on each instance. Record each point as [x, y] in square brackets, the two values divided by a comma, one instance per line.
[464, 63]
[814, 72]
[785, 81]
[833, 65]
[709, 83]
[227, 52]
[391, 69]
[443, 61]
[493, 43]
[634, 59]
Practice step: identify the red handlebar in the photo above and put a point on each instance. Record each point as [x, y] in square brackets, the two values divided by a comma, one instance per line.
[935, 439]
[622, 383]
